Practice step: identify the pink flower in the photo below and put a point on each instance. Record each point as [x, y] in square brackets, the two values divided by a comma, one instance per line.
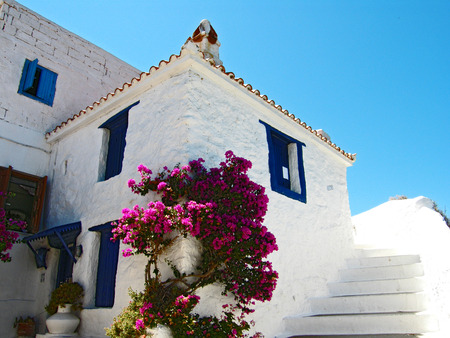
[246, 232]
[175, 172]
[139, 324]
[145, 307]
[161, 185]
[127, 252]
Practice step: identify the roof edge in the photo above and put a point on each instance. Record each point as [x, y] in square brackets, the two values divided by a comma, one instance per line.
[230, 75]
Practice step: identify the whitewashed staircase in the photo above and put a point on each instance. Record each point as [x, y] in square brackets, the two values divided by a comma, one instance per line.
[379, 294]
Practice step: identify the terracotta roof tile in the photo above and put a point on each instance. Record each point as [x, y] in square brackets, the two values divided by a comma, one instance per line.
[230, 75]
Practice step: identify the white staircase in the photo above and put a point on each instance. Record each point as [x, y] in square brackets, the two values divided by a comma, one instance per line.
[379, 294]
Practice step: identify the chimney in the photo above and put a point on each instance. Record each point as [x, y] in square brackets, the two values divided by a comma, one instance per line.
[204, 39]
[324, 134]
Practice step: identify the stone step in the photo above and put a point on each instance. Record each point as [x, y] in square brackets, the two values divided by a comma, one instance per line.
[381, 273]
[399, 323]
[368, 262]
[355, 336]
[402, 302]
[388, 286]
[376, 252]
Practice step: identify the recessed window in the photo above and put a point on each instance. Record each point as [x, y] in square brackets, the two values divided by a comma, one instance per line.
[28, 196]
[117, 127]
[108, 257]
[287, 175]
[38, 82]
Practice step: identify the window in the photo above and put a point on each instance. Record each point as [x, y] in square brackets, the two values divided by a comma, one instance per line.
[28, 199]
[38, 82]
[117, 127]
[107, 266]
[287, 175]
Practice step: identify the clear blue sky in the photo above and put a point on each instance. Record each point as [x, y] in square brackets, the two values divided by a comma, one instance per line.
[375, 75]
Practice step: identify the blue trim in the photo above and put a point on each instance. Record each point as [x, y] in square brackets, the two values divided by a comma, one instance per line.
[274, 139]
[108, 258]
[102, 227]
[45, 86]
[29, 70]
[67, 229]
[58, 237]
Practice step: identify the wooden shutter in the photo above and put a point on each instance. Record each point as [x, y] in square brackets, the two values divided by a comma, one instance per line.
[65, 267]
[30, 71]
[5, 175]
[116, 147]
[47, 86]
[107, 269]
[281, 160]
[38, 204]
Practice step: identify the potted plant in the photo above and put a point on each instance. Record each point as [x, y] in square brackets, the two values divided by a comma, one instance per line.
[64, 298]
[25, 327]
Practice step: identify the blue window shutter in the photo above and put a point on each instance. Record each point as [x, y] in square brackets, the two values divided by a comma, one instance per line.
[116, 146]
[107, 268]
[47, 86]
[65, 267]
[30, 71]
[278, 144]
[281, 160]
[117, 126]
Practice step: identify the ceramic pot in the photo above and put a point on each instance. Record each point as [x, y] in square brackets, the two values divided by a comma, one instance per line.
[63, 321]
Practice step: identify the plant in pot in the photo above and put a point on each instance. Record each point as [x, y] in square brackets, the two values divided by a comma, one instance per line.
[64, 299]
[25, 327]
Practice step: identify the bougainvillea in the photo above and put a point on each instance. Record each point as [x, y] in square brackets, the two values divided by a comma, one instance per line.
[8, 234]
[224, 211]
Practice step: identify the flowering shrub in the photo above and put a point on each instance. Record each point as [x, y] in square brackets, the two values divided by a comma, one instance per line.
[223, 210]
[8, 236]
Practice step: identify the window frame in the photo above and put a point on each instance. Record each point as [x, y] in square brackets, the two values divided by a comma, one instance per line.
[38, 203]
[294, 150]
[41, 87]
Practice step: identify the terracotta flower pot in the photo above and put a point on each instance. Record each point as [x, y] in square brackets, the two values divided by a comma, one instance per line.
[26, 329]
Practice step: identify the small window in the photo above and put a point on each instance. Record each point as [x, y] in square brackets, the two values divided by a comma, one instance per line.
[28, 199]
[287, 175]
[108, 257]
[117, 127]
[38, 82]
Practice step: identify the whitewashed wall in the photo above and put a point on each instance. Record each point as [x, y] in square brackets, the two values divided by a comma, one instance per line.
[196, 111]
[85, 73]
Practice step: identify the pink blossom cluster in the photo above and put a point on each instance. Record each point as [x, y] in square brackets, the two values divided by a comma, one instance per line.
[223, 209]
[188, 301]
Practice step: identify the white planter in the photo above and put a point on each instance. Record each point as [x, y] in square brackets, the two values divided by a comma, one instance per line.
[63, 321]
[160, 331]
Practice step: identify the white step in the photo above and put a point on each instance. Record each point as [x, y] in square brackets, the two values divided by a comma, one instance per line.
[353, 336]
[367, 262]
[402, 302]
[376, 252]
[377, 287]
[404, 323]
[381, 273]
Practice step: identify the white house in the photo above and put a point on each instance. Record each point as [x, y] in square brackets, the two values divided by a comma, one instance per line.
[182, 109]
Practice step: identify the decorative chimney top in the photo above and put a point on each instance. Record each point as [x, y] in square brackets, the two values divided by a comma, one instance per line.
[324, 134]
[204, 39]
